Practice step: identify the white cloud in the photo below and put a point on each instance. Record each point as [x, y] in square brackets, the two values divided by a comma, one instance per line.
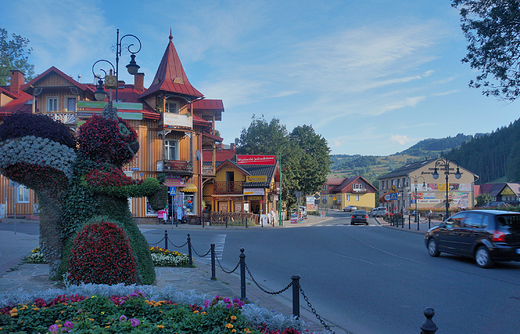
[447, 93]
[399, 139]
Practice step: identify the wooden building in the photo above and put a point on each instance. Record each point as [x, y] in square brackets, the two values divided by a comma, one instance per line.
[172, 119]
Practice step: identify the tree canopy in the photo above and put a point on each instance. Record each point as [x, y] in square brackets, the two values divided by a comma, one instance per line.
[304, 155]
[14, 55]
[492, 29]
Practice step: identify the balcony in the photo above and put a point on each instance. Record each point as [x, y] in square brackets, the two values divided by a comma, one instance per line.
[208, 170]
[232, 187]
[178, 166]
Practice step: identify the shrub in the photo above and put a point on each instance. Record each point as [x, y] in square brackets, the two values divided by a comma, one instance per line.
[102, 255]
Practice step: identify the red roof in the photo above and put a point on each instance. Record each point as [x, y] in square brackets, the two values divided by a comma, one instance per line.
[208, 104]
[17, 104]
[222, 155]
[29, 89]
[170, 76]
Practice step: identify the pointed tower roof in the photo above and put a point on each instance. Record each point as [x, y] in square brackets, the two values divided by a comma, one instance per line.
[170, 76]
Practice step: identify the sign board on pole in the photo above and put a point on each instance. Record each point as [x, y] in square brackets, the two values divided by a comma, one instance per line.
[393, 196]
[393, 190]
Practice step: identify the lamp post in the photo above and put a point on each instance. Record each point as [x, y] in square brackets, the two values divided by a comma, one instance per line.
[435, 175]
[280, 223]
[415, 179]
[111, 81]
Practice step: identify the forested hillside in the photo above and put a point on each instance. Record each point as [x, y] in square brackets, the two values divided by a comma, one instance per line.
[429, 146]
[495, 156]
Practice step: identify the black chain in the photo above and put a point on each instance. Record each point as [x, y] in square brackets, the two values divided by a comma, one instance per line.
[156, 242]
[327, 327]
[224, 270]
[201, 255]
[171, 243]
[268, 292]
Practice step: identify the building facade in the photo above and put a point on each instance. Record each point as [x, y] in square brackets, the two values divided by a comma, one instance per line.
[342, 192]
[414, 184]
[173, 120]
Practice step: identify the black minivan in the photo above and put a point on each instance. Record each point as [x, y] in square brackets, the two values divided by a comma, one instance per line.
[485, 235]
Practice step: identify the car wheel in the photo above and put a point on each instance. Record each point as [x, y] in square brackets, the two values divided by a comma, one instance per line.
[483, 258]
[432, 248]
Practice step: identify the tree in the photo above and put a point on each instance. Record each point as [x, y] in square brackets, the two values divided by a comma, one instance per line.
[483, 199]
[315, 161]
[14, 55]
[262, 137]
[492, 29]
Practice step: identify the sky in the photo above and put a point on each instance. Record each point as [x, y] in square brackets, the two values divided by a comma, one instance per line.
[373, 77]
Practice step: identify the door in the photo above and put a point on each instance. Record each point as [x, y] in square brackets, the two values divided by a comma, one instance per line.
[449, 238]
[469, 232]
[230, 182]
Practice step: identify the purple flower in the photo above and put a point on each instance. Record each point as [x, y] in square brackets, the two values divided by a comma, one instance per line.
[228, 306]
[53, 329]
[206, 303]
[227, 300]
[122, 318]
[134, 322]
[68, 325]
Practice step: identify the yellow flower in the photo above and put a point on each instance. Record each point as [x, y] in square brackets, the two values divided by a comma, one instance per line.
[233, 331]
[204, 313]
[160, 326]
[229, 326]
[14, 310]
[35, 309]
[196, 311]
[57, 321]
[14, 314]
[107, 327]
[91, 319]
[233, 318]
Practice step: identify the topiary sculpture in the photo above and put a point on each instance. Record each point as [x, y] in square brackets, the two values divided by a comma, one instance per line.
[79, 188]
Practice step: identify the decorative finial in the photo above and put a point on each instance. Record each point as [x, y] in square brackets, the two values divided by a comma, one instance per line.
[171, 37]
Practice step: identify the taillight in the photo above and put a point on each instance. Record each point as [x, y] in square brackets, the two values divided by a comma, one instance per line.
[366, 217]
[499, 236]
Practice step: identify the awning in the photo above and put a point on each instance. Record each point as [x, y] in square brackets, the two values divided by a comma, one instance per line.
[189, 188]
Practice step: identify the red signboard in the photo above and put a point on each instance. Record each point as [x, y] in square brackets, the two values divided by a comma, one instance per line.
[255, 159]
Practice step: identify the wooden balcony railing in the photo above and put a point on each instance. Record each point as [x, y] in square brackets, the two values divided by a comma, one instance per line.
[228, 187]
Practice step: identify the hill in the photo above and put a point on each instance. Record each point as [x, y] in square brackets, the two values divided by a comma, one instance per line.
[371, 167]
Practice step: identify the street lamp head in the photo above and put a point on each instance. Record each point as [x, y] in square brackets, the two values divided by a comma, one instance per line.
[458, 174]
[435, 174]
[132, 67]
[100, 94]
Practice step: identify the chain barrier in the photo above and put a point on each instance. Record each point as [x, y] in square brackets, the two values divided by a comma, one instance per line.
[268, 292]
[171, 243]
[327, 327]
[209, 251]
[156, 242]
[224, 270]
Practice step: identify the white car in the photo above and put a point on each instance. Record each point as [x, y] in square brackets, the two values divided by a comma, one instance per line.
[349, 208]
[381, 211]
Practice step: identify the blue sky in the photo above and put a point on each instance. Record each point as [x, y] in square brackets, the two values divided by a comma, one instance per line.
[373, 77]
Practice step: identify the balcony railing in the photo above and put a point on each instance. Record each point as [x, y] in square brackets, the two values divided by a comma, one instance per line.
[233, 187]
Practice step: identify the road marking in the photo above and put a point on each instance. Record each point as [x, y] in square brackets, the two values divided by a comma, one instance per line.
[353, 258]
[220, 241]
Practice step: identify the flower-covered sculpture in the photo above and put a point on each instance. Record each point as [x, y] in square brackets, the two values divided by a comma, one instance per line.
[79, 184]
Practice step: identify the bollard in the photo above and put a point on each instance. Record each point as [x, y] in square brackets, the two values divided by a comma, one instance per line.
[429, 222]
[213, 276]
[296, 296]
[226, 221]
[242, 275]
[246, 223]
[409, 222]
[166, 239]
[190, 256]
[418, 221]
[429, 327]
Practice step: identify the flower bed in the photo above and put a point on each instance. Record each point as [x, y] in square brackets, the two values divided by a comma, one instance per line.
[136, 312]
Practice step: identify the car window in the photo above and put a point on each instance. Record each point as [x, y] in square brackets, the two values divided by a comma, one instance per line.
[455, 220]
[474, 220]
[508, 222]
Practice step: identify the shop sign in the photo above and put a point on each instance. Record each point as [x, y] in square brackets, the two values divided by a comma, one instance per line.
[172, 120]
[256, 178]
[255, 159]
[254, 191]
[175, 181]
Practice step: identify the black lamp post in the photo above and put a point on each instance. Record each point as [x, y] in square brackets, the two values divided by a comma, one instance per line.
[112, 80]
[415, 179]
[435, 175]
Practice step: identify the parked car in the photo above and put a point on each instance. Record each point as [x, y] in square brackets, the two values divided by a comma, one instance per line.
[485, 235]
[381, 211]
[373, 212]
[359, 217]
[349, 208]
[496, 204]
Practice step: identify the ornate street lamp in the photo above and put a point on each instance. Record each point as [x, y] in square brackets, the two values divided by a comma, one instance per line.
[415, 179]
[435, 175]
[111, 81]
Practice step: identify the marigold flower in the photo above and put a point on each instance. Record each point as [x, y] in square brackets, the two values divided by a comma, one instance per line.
[196, 311]
[160, 326]
[229, 326]
[233, 318]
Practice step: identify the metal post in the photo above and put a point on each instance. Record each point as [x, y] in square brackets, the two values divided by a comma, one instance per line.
[165, 239]
[418, 220]
[296, 295]
[227, 221]
[213, 276]
[429, 222]
[447, 187]
[242, 275]
[190, 255]
[246, 223]
[429, 327]
[409, 221]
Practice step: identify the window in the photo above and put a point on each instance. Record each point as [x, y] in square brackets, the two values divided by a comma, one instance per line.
[23, 194]
[348, 198]
[398, 183]
[71, 104]
[171, 106]
[357, 198]
[170, 150]
[52, 104]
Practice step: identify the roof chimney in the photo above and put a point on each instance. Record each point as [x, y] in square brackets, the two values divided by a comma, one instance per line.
[232, 147]
[17, 79]
[139, 81]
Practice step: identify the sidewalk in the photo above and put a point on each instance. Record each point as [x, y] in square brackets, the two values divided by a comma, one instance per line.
[410, 225]
[14, 274]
